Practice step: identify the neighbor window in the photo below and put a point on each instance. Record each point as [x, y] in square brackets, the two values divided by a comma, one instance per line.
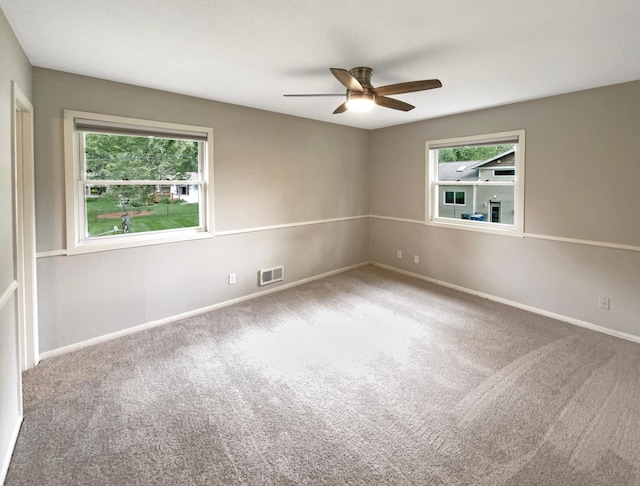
[477, 182]
[454, 197]
[134, 182]
[504, 172]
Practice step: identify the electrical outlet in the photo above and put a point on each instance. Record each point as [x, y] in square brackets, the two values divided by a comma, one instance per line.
[416, 259]
[604, 303]
[232, 278]
[399, 253]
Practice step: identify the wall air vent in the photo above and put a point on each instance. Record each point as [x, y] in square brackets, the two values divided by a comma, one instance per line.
[271, 275]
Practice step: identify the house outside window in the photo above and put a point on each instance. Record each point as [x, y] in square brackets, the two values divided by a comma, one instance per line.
[477, 183]
[135, 182]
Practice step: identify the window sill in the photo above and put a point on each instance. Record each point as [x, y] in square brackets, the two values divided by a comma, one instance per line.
[479, 227]
[134, 241]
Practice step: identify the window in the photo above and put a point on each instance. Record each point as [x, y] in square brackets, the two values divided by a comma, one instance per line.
[504, 172]
[477, 183]
[454, 197]
[135, 182]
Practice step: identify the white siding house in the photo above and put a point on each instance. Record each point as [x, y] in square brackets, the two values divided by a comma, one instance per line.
[485, 203]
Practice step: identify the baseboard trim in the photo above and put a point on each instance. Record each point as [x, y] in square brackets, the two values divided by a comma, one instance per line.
[6, 460]
[535, 310]
[142, 327]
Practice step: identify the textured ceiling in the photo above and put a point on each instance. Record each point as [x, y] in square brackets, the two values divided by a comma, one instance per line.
[250, 53]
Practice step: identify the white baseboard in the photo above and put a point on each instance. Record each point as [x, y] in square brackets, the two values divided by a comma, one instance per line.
[202, 310]
[535, 310]
[6, 460]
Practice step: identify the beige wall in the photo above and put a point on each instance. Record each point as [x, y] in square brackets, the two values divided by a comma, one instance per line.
[14, 66]
[270, 169]
[582, 166]
[274, 169]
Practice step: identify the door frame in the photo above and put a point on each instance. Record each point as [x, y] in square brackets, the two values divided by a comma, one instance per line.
[25, 227]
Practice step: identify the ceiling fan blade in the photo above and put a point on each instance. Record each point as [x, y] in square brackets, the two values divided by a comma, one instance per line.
[393, 104]
[408, 87]
[304, 95]
[347, 80]
[341, 109]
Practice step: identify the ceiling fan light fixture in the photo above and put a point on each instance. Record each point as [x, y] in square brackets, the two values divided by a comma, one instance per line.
[362, 95]
[360, 102]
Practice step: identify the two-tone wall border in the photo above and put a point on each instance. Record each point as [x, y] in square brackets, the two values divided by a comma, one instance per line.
[239, 231]
[561, 239]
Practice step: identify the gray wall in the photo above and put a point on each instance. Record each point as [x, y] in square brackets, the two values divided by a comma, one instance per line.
[270, 169]
[582, 167]
[14, 66]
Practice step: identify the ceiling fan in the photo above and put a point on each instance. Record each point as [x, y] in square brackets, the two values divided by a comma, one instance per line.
[361, 95]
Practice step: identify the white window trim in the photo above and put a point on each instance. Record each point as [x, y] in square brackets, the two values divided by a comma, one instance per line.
[432, 186]
[75, 197]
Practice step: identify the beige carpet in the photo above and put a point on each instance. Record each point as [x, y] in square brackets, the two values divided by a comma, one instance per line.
[363, 378]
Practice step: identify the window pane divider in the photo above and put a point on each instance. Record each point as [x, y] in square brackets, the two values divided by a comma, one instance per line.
[148, 182]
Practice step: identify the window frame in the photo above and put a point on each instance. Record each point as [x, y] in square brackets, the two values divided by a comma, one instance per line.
[433, 187]
[75, 181]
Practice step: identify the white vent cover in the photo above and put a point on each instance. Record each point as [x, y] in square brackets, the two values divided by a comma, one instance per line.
[270, 275]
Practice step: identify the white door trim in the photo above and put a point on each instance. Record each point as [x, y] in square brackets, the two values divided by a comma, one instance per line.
[25, 230]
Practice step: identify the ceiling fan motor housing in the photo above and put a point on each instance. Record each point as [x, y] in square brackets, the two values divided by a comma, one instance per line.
[363, 75]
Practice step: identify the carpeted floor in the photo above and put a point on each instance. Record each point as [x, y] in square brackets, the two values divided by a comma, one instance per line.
[363, 378]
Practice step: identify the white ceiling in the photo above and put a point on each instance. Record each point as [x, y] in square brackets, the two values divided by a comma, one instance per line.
[250, 53]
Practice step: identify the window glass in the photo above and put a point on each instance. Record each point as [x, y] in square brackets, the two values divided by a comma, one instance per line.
[118, 209]
[136, 208]
[448, 197]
